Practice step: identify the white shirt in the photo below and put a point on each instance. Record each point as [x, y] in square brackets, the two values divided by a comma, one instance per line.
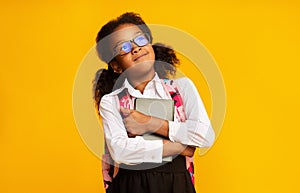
[195, 131]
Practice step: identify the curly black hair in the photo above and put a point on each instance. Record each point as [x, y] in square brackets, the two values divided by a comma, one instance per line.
[106, 80]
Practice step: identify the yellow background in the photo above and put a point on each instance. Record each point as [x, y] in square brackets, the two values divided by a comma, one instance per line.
[255, 43]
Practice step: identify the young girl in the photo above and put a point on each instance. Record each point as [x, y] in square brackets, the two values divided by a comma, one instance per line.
[138, 69]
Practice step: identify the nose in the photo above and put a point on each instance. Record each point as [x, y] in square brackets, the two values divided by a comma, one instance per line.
[135, 48]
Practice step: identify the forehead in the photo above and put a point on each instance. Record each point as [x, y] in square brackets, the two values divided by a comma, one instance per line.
[124, 32]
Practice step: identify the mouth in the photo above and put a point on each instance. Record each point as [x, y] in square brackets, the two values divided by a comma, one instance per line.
[140, 56]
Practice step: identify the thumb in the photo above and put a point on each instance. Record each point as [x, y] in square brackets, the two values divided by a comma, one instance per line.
[125, 111]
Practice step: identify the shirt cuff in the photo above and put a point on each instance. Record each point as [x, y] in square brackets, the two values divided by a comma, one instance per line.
[154, 151]
[173, 129]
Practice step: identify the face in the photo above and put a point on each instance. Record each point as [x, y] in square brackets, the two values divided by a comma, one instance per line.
[134, 55]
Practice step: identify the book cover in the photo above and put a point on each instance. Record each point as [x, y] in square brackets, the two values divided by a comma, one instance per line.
[161, 108]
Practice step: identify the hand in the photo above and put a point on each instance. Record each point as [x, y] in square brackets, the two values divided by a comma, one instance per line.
[188, 151]
[136, 123]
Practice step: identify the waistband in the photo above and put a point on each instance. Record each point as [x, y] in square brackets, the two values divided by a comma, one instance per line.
[178, 164]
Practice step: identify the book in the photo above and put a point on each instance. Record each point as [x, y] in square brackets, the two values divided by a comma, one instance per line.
[161, 108]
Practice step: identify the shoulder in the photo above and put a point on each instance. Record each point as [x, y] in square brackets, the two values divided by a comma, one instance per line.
[113, 93]
[110, 98]
[184, 83]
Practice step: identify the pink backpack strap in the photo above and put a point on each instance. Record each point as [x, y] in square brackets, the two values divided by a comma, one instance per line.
[171, 87]
[109, 168]
[125, 99]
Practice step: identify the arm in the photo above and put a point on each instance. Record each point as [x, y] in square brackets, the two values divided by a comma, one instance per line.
[195, 131]
[175, 148]
[131, 150]
[122, 148]
[137, 123]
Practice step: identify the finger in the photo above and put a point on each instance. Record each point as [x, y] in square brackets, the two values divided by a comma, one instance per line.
[130, 135]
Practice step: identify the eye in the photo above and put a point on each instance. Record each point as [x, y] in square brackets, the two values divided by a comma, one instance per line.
[126, 47]
[141, 40]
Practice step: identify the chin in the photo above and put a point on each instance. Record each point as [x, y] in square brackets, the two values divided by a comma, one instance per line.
[141, 69]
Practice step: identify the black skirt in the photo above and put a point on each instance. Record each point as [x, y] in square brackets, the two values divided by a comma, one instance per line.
[169, 177]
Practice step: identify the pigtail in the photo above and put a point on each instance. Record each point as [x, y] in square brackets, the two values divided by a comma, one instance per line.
[166, 60]
[105, 82]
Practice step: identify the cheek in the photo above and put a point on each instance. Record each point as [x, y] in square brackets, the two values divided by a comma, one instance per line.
[125, 62]
[151, 53]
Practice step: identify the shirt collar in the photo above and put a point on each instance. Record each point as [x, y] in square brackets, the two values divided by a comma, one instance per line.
[155, 84]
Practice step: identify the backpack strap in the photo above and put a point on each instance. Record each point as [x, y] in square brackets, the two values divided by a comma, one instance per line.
[125, 100]
[109, 167]
[172, 88]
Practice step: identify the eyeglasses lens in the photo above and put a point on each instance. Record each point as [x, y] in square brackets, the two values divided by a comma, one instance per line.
[126, 47]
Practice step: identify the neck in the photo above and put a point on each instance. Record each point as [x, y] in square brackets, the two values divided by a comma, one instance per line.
[141, 83]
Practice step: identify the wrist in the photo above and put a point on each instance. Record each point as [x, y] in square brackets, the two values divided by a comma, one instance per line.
[170, 148]
[176, 148]
[149, 124]
[155, 124]
[152, 124]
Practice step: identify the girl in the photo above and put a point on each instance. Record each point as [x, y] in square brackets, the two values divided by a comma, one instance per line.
[138, 69]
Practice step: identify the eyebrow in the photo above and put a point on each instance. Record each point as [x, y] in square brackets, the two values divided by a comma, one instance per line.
[127, 40]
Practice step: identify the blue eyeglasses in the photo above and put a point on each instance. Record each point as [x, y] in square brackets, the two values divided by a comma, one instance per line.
[123, 48]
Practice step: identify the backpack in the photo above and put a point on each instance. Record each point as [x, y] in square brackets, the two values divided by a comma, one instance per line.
[109, 171]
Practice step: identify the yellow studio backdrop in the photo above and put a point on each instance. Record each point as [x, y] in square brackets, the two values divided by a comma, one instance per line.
[256, 46]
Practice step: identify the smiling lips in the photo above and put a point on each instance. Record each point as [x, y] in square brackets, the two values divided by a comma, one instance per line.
[140, 56]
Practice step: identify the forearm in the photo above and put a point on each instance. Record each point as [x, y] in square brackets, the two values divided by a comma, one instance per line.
[191, 132]
[174, 148]
[159, 126]
[195, 133]
[135, 150]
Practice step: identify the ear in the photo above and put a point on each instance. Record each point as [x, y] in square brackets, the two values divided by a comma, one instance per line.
[115, 66]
